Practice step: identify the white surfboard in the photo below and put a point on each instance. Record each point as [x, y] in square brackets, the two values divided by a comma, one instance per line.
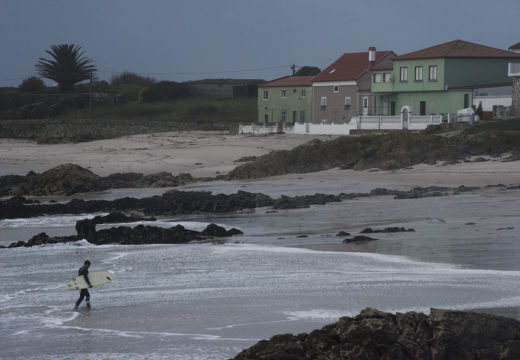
[96, 278]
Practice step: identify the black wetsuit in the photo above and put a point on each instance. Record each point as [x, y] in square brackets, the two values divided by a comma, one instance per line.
[84, 292]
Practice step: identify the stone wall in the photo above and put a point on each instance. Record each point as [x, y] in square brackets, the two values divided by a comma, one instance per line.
[516, 95]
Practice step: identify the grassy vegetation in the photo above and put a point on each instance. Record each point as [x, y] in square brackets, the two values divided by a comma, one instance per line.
[186, 110]
[499, 125]
[110, 121]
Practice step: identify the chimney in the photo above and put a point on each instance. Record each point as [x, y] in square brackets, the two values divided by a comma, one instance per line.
[372, 56]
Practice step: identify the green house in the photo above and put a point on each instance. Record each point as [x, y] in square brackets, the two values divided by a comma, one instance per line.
[440, 79]
[285, 101]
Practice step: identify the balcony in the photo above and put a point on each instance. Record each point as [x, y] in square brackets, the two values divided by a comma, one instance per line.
[513, 70]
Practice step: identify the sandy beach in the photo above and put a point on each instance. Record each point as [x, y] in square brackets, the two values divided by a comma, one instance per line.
[207, 154]
[213, 299]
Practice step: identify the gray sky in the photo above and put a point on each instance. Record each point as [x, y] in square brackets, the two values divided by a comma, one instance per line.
[195, 39]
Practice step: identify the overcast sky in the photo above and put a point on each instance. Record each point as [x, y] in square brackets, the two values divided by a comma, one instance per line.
[196, 39]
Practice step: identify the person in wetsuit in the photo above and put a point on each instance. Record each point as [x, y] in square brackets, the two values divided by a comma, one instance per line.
[84, 294]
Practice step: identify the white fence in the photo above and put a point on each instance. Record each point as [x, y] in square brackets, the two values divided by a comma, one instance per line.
[380, 122]
[257, 129]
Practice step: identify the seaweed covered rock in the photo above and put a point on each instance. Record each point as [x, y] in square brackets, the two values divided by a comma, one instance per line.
[373, 334]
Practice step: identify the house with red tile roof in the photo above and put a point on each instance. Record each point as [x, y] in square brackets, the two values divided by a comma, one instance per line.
[440, 79]
[285, 101]
[342, 90]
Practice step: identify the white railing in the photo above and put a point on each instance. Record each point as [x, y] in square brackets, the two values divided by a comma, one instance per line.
[257, 129]
[322, 129]
[514, 69]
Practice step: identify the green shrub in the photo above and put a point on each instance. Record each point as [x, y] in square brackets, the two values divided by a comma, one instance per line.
[130, 78]
[32, 84]
[166, 90]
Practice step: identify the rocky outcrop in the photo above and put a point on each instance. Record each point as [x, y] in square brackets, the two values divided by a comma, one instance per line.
[391, 151]
[125, 235]
[373, 334]
[69, 179]
[358, 238]
[176, 202]
[305, 201]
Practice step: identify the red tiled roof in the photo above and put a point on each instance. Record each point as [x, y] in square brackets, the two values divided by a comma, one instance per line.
[515, 46]
[348, 67]
[457, 49]
[289, 81]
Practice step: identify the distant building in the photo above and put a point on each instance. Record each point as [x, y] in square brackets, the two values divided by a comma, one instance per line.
[342, 90]
[515, 48]
[442, 79]
[224, 88]
[285, 101]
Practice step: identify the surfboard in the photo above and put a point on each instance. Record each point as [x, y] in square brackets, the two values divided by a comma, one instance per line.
[96, 278]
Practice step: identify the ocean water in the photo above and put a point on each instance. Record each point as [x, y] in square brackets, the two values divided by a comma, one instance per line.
[289, 272]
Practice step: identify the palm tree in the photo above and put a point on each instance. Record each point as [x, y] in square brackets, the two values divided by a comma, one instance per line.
[67, 67]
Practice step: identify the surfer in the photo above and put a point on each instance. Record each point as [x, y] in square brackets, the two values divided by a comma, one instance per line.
[84, 292]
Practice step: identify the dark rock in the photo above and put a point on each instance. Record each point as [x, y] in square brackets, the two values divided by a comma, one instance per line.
[246, 159]
[343, 233]
[124, 235]
[302, 236]
[219, 231]
[359, 238]
[69, 179]
[374, 334]
[44, 239]
[65, 179]
[298, 202]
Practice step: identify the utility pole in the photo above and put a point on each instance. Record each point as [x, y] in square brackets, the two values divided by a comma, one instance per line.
[293, 67]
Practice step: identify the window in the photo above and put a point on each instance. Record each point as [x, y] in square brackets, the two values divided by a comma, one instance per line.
[466, 101]
[433, 73]
[422, 108]
[348, 102]
[304, 92]
[302, 116]
[387, 77]
[283, 116]
[404, 74]
[365, 103]
[266, 95]
[418, 73]
[323, 103]
[284, 93]
[377, 77]
[392, 108]
[332, 71]
[335, 88]
[266, 119]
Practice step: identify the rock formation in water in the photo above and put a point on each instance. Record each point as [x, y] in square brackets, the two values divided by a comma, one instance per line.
[126, 235]
[377, 335]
